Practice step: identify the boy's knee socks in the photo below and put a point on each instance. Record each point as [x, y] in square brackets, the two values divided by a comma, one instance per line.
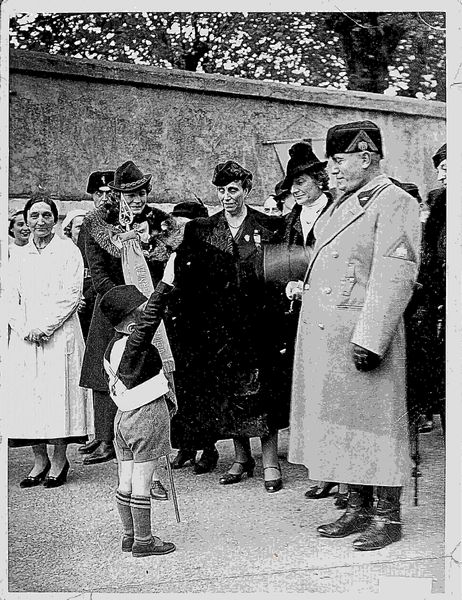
[141, 514]
[125, 513]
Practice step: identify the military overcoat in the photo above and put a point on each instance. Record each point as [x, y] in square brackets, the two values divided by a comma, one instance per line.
[347, 425]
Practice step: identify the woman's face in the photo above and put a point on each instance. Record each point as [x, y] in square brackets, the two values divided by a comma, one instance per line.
[305, 190]
[136, 200]
[232, 197]
[40, 220]
[75, 228]
[21, 231]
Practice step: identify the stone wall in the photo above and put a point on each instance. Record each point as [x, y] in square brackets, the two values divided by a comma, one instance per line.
[69, 117]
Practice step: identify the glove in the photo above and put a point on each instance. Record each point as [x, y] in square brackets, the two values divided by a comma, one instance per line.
[365, 360]
[169, 271]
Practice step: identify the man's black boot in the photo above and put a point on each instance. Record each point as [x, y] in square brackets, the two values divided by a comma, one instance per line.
[385, 526]
[357, 516]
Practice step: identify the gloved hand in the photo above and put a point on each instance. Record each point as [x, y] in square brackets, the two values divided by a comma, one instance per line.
[169, 271]
[364, 359]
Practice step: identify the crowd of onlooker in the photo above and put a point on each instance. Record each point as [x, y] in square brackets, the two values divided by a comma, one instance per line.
[231, 299]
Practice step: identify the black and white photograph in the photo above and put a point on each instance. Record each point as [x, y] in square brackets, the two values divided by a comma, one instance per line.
[231, 299]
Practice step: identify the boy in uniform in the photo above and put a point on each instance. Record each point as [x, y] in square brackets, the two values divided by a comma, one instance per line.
[139, 388]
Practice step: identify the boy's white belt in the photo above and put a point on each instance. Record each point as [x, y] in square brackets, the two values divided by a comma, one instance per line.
[129, 399]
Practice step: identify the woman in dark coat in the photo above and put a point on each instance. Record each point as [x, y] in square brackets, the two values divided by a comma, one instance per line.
[247, 395]
[103, 235]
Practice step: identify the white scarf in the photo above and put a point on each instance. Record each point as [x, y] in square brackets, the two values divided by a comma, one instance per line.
[310, 213]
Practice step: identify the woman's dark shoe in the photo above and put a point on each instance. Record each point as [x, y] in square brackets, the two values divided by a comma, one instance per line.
[157, 491]
[104, 452]
[183, 457]
[317, 492]
[341, 500]
[52, 482]
[207, 462]
[32, 481]
[89, 447]
[273, 485]
[246, 467]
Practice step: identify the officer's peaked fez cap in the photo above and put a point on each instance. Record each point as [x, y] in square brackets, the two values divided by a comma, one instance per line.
[120, 301]
[229, 171]
[98, 180]
[354, 137]
[439, 156]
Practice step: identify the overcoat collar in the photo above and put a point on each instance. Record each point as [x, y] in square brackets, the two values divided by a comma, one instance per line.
[345, 212]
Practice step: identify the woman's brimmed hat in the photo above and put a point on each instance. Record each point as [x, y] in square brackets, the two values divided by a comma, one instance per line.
[302, 160]
[129, 178]
[230, 171]
[120, 301]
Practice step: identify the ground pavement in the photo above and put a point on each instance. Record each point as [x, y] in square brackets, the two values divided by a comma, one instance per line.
[234, 538]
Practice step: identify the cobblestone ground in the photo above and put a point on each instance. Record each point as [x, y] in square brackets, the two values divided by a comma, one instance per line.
[231, 538]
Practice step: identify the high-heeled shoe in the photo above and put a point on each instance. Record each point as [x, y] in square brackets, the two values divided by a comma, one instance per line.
[52, 482]
[317, 492]
[183, 457]
[273, 485]
[247, 467]
[31, 481]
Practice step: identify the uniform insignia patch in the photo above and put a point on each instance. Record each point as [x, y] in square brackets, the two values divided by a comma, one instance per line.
[402, 249]
[362, 142]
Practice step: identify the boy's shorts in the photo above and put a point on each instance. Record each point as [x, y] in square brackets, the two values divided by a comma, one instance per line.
[143, 434]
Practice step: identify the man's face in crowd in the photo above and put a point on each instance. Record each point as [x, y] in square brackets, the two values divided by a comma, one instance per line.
[441, 172]
[100, 196]
[349, 170]
[232, 197]
[75, 228]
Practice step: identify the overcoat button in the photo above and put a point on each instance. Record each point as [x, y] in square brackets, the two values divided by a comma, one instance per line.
[306, 286]
[335, 254]
[320, 325]
[327, 290]
[188, 263]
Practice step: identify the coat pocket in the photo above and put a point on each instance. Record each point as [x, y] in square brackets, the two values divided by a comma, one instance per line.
[351, 294]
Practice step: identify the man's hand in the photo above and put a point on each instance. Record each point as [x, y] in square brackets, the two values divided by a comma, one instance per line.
[81, 305]
[36, 336]
[169, 271]
[294, 290]
[365, 360]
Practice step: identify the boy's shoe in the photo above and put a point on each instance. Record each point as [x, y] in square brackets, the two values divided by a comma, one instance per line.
[154, 547]
[157, 491]
[127, 543]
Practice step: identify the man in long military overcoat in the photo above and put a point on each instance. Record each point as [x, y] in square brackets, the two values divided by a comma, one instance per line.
[348, 415]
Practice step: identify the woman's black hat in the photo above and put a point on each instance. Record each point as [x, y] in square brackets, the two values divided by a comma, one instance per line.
[98, 180]
[190, 210]
[120, 301]
[302, 160]
[230, 171]
[439, 156]
[129, 178]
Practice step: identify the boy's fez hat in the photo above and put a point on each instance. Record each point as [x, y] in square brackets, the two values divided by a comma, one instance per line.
[120, 301]
[129, 178]
[354, 137]
[98, 180]
[439, 156]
